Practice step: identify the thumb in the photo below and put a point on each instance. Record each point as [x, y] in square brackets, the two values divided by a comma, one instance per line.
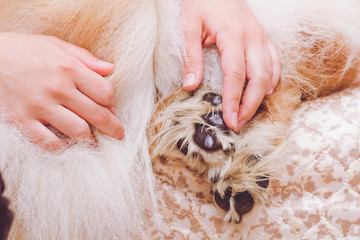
[194, 66]
[85, 57]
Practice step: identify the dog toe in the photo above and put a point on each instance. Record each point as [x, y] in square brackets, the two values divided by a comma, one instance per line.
[212, 98]
[243, 203]
[223, 201]
[206, 138]
[236, 204]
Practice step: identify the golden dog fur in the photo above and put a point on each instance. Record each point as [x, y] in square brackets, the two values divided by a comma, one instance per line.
[109, 192]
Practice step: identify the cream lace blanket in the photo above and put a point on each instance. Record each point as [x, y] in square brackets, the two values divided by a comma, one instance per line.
[317, 196]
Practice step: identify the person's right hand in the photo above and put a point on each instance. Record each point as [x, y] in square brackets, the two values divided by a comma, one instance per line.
[46, 81]
[247, 55]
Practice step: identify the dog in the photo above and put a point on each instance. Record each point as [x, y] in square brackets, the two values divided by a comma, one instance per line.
[108, 192]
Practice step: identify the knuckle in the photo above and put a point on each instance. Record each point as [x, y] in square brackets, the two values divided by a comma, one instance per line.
[234, 101]
[54, 85]
[84, 54]
[265, 78]
[235, 76]
[235, 31]
[36, 102]
[223, 40]
[238, 75]
[190, 29]
[191, 59]
[191, 35]
[102, 117]
[65, 64]
[57, 89]
[40, 108]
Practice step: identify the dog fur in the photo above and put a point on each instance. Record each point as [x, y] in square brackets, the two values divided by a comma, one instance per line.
[108, 192]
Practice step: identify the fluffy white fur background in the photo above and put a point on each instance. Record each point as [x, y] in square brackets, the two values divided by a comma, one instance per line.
[108, 192]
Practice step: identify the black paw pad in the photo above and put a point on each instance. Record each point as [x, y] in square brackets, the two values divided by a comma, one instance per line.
[216, 120]
[223, 202]
[244, 202]
[183, 147]
[206, 138]
[213, 98]
[263, 181]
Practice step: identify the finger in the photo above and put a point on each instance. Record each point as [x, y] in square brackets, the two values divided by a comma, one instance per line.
[250, 102]
[233, 67]
[276, 64]
[85, 57]
[96, 87]
[99, 116]
[259, 74]
[194, 66]
[42, 136]
[68, 123]
[269, 65]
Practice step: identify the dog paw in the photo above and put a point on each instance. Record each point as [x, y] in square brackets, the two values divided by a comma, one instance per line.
[237, 201]
[235, 204]
[211, 144]
[238, 166]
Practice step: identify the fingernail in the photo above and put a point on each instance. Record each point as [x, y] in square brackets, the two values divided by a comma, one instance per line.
[105, 64]
[241, 124]
[271, 90]
[189, 79]
[234, 120]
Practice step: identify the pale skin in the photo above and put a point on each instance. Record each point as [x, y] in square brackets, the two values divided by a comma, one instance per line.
[46, 81]
[246, 52]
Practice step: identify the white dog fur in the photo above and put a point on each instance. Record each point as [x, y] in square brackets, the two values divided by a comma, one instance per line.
[109, 192]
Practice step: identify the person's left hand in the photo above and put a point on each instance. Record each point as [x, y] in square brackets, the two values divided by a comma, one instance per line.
[246, 51]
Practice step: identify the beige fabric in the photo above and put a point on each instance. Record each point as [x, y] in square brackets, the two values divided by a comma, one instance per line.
[316, 197]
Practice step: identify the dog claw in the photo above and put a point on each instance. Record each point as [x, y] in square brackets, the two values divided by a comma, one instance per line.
[263, 181]
[183, 147]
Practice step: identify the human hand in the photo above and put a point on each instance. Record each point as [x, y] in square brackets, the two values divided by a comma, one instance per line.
[246, 51]
[46, 81]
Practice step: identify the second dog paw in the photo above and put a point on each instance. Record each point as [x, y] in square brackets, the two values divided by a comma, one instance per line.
[236, 203]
